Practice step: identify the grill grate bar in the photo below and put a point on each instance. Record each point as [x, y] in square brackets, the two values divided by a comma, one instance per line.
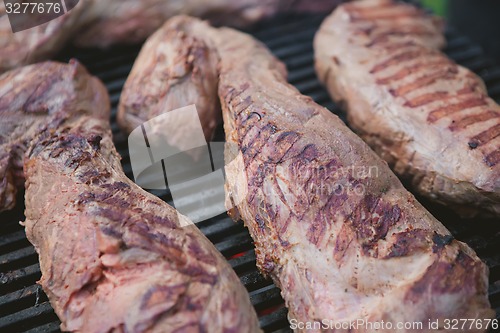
[237, 243]
[305, 34]
[19, 278]
[275, 321]
[269, 31]
[17, 258]
[11, 240]
[266, 297]
[19, 299]
[41, 313]
[52, 327]
[290, 51]
[306, 73]
[254, 280]
[462, 56]
[116, 73]
[298, 62]
[220, 228]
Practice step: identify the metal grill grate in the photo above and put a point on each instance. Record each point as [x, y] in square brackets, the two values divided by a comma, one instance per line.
[25, 308]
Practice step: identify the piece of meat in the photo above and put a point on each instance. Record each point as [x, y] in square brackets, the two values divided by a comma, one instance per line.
[131, 21]
[102, 23]
[38, 43]
[113, 257]
[30, 96]
[332, 225]
[171, 71]
[429, 118]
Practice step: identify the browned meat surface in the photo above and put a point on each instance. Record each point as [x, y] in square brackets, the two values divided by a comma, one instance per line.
[113, 257]
[29, 98]
[130, 21]
[172, 70]
[342, 242]
[38, 43]
[429, 118]
[102, 23]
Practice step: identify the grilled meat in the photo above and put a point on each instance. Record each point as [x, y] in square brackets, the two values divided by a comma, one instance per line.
[113, 257]
[171, 71]
[102, 23]
[131, 21]
[30, 96]
[332, 225]
[429, 118]
[38, 43]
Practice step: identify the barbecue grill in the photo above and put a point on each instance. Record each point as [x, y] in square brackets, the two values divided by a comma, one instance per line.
[24, 306]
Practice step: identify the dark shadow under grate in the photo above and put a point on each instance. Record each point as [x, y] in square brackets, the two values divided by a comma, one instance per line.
[25, 308]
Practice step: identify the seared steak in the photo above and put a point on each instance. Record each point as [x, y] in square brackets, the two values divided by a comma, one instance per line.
[429, 118]
[102, 23]
[113, 257]
[342, 242]
[31, 97]
[173, 69]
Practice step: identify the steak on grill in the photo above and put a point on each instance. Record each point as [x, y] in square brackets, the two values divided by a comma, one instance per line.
[342, 242]
[31, 96]
[173, 69]
[102, 23]
[113, 257]
[429, 118]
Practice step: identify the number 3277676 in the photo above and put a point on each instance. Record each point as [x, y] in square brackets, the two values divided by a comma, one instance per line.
[33, 8]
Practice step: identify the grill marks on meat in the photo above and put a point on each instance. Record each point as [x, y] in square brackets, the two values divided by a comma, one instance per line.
[404, 72]
[428, 73]
[426, 98]
[416, 104]
[31, 99]
[423, 81]
[493, 158]
[340, 245]
[343, 232]
[381, 12]
[448, 110]
[398, 59]
[113, 257]
[384, 37]
[462, 123]
[437, 278]
[486, 136]
[372, 220]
